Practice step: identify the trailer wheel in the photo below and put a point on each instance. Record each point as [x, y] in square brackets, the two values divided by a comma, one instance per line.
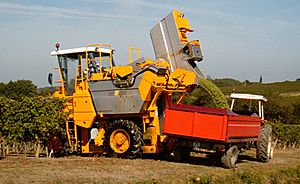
[124, 139]
[264, 150]
[230, 158]
[181, 154]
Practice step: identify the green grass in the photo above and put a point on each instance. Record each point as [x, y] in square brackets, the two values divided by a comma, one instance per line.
[286, 92]
[264, 88]
[284, 175]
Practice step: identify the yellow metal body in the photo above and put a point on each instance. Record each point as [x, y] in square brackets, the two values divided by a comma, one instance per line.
[151, 88]
[183, 26]
[121, 71]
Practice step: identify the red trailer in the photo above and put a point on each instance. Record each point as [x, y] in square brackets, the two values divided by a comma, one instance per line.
[216, 129]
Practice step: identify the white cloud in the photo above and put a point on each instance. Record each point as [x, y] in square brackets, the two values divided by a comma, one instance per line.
[15, 8]
[190, 7]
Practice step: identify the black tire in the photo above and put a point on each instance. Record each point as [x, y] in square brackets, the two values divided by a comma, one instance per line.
[230, 157]
[134, 149]
[182, 154]
[264, 144]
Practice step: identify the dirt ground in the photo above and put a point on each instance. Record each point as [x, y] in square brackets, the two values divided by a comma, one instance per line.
[74, 169]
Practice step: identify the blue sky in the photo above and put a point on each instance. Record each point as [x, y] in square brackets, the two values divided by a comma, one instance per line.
[240, 39]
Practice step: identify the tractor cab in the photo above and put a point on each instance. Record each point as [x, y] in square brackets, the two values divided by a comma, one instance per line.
[79, 65]
[244, 104]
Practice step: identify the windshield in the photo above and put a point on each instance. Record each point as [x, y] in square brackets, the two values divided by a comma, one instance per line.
[68, 67]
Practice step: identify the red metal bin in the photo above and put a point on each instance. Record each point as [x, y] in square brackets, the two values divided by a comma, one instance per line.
[210, 124]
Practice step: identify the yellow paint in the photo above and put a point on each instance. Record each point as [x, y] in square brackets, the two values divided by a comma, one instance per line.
[62, 90]
[68, 133]
[97, 76]
[100, 137]
[84, 111]
[151, 131]
[119, 141]
[149, 62]
[145, 86]
[182, 26]
[195, 42]
[150, 149]
[182, 78]
[58, 93]
[121, 71]
[117, 93]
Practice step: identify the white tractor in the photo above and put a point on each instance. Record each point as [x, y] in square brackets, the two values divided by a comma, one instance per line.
[264, 148]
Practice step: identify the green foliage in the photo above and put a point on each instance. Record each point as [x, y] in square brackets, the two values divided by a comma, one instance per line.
[216, 95]
[30, 119]
[289, 175]
[251, 176]
[291, 172]
[206, 94]
[273, 110]
[18, 89]
[287, 113]
[283, 99]
[46, 91]
[226, 82]
[296, 113]
[266, 89]
[6, 106]
[286, 134]
[201, 180]
[199, 97]
[247, 82]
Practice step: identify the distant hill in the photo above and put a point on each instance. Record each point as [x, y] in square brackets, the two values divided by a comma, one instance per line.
[288, 91]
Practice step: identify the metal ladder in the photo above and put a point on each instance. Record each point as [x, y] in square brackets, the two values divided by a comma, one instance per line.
[71, 130]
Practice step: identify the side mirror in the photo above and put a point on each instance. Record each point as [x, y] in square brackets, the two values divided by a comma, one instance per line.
[50, 78]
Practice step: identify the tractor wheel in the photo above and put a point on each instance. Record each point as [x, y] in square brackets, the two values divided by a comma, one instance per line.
[181, 154]
[264, 144]
[230, 157]
[124, 139]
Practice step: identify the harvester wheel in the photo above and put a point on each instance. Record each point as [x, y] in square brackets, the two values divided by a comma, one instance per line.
[124, 139]
[182, 154]
[264, 144]
[230, 157]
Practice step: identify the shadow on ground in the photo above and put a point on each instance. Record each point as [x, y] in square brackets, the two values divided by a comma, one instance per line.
[202, 159]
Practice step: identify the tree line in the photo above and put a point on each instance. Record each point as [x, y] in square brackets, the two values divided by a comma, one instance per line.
[27, 117]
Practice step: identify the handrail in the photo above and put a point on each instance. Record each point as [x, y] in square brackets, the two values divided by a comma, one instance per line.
[101, 59]
[130, 51]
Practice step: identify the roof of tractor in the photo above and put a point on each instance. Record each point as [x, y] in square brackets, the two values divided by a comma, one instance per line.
[248, 96]
[81, 50]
